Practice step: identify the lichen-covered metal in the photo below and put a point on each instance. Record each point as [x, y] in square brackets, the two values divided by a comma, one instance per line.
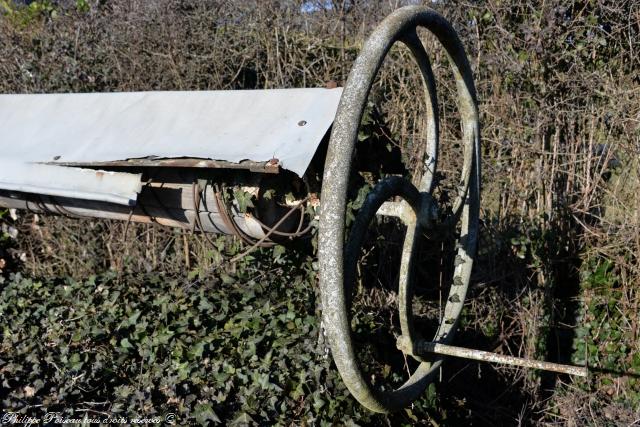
[388, 187]
[335, 287]
[426, 347]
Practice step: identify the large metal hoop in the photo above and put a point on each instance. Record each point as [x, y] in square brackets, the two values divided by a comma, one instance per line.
[400, 25]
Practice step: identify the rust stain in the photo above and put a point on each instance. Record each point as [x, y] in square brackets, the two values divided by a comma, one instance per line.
[271, 166]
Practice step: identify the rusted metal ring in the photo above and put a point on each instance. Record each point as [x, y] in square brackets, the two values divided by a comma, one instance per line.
[400, 25]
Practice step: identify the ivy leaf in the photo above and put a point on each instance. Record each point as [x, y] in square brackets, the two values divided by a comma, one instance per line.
[204, 412]
[125, 344]
[243, 199]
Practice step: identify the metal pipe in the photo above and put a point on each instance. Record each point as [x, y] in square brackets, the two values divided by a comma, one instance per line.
[423, 347]
[171, 215]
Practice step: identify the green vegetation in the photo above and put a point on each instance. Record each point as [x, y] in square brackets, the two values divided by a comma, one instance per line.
[243, 346]
[23, 16]
[158, 320]
[607, 337]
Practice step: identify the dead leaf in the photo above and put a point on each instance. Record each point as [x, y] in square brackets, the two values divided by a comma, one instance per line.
[29, 391]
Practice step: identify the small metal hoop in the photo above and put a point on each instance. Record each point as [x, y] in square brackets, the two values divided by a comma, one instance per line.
[385, 189]
[399, 26]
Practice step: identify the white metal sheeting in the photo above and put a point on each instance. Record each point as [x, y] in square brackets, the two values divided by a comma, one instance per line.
[115, 187]
[258, 125]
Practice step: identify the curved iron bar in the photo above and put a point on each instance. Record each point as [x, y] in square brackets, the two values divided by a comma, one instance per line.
[299, 230]
[228, 220]
[383, 190]
[412, 41]
[400, 25]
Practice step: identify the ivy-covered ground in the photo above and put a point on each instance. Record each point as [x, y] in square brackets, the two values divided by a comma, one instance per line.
[241, 347]
[240, 344]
